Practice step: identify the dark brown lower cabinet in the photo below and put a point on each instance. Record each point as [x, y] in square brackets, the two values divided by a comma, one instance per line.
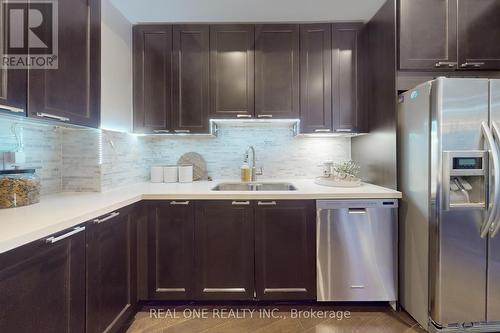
[285, 250]
[224, 250]
[42, 285]
[170, 250]
[111, 271]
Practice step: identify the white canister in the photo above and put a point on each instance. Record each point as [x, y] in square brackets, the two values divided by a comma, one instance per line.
[170, 174]
[185, 173]
[156, 174]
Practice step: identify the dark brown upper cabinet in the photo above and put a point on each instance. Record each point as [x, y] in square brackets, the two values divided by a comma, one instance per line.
[224, 250]
[479, 34]
[285, 250]
[316, 78]
[42, 279]
[346, 61]
[428, 34]
[111, 271]
[232, 71]
[152, 78]
[190, 64]
[170, 250]
[277, 71]
[444, 35]
[13, 91]
[71, 93]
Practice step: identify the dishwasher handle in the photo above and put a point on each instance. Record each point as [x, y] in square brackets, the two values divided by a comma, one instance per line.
[360, 211]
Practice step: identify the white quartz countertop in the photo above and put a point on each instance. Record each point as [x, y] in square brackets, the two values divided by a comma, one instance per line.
[54, 213]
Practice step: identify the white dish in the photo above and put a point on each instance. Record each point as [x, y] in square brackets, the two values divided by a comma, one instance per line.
[323, 181]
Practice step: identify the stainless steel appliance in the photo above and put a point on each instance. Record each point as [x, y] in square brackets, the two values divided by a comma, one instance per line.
[449, 174]
[357, 250]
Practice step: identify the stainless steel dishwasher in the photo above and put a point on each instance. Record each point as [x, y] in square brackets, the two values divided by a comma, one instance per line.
[357, 250]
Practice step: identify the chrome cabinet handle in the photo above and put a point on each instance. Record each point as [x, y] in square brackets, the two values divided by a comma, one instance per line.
[343, 130]
[11, 109]
[264, 116]
[472, 64]
[240, 203]
[52, 240]
[485, 228]
[243, 116]
[449, 64]
[107, 218]
[179, 202]
[51, 116]
[182, 131]
[267, 203]
[161, 131]
[322, 130]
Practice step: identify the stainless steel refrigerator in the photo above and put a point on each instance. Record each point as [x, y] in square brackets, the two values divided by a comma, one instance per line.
[449, 173]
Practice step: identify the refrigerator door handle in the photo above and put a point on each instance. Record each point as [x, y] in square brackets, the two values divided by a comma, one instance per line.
[496, 224]
[485, 228]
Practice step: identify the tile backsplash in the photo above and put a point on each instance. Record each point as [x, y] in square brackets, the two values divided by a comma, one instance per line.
[76, 159]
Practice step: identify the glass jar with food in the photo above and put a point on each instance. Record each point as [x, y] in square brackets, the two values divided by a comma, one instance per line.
[19, 188]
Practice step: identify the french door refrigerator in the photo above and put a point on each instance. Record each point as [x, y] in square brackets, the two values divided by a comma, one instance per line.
[449, 173]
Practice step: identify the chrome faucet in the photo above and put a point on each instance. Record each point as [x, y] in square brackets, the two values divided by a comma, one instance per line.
[253, 168]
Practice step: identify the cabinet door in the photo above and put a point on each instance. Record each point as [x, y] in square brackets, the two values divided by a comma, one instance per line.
[152, 78]
[111, 271]
[71, 93]
[171, 246]
[277, 71]
[316, 78]
[285, 250]
[345, 73]
[42, 286]
[13, 91]
[479, 34]
[428, 34]
[190, 78]
[232, 71]
[224, 250]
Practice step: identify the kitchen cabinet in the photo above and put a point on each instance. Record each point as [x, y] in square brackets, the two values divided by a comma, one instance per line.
[478, 34]
[111, 271]
[446, 35]
[13, 91]
[190, 67]
[428, 34]
[170, 250]
[152, 78]
[224, 250]
[347, 77]
[277, 71]
[42, 285]
[232, 70]
[71, 93]
[285, 250]
[316, 78]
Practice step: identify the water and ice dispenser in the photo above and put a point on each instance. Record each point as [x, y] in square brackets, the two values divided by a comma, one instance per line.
[465, 179]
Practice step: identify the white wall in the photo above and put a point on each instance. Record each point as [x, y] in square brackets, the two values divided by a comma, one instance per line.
[247, 10]
[116, 69]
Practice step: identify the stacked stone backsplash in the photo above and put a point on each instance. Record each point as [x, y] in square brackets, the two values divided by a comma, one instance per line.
[77, 159]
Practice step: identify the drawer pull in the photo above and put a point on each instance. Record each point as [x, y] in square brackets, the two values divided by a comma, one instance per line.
[224, 290]
[345, 130]
[449, 64]
[52, 240]
[182, 131]
[161, 131]
[472, 64]
[107, 218]
[51, 116]
[179, 202]
[241, 203]
[358, 287]
[264, 116]
[11, 109]
[267, 203]
[243, 116]
[322, 130]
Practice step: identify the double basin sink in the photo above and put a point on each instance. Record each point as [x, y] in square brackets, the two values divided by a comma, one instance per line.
[254, 186]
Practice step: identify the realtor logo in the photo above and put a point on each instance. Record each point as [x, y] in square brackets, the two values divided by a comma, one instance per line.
[29, 34]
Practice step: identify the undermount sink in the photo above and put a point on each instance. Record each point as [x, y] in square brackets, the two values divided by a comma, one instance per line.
[254, 187]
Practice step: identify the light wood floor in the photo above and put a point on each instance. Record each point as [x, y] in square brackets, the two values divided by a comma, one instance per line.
[363, 319]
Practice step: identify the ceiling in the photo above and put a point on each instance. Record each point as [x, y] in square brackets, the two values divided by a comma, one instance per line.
[144, 11]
